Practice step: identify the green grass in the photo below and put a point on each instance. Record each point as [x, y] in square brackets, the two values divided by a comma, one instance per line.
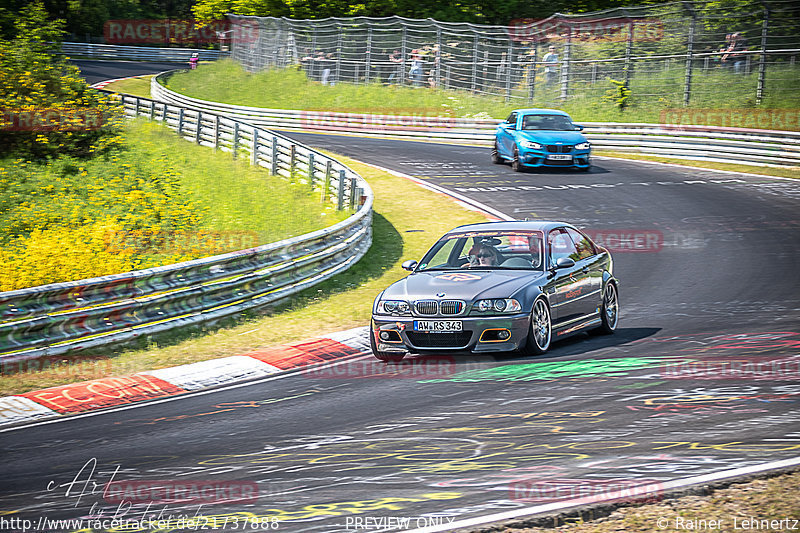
[774, 498]
[401, 231]
[236, 195]
[225, 81]
[133, 86]
[157, 199]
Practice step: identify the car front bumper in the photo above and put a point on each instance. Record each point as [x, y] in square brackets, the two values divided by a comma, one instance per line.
[538, 159]
[478, 335]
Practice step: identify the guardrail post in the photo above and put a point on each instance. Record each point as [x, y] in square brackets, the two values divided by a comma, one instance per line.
[292, 156]
[762, 59]
[274, 159]
[628, 53]
[474, 84]
[338, 77]
[180, 121]
[311, 171]
[687, 87]
[340, 191]
[152, 109]
[352, 193]
[216, 132]
[566, 64]
[368, 64]
[327, 184]
[235, 145]
[532, 72]
[199, 127]
[254, 154]
[136, 107]
[403, 54]
[509, 66]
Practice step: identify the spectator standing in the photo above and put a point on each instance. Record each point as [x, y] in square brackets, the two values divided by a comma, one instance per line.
[194, 60]
[396, 63]
[415, 72]
[733, 54]
[550, 61]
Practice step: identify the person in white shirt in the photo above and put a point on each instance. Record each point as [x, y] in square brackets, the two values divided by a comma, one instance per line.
[550, 61]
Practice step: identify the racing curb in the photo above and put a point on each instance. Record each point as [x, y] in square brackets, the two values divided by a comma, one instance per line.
[107, 392]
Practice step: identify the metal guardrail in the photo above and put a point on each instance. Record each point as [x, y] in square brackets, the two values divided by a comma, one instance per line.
[731, 145]
[138, 53]
[63, 317]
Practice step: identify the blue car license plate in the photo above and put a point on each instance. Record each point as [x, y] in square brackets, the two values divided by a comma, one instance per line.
[437, 326]
[560, 157]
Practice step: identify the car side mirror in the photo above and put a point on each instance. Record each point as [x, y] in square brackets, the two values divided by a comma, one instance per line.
[409, 265]
[564, 262]
[578, 127]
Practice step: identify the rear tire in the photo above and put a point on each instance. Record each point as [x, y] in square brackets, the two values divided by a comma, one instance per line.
[609, 310]
[496, 159]
[516, 166]
[540, 331]
[386, 357]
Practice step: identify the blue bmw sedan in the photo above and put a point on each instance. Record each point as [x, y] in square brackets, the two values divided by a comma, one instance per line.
[541, 138]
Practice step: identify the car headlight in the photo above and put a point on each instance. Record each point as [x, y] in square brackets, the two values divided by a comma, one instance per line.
[530, 144]
[393, 307]
[500, 305]
[582, 146]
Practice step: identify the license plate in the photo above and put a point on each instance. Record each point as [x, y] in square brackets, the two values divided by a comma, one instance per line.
[437, 326]
[560, 157]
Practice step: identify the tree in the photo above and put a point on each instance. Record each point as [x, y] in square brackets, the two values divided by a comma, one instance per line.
[47, 107]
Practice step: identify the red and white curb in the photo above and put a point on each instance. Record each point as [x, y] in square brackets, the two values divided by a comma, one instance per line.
[154, 384]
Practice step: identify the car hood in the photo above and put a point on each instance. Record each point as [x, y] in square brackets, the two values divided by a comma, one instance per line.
[461, 284]
[552, 137]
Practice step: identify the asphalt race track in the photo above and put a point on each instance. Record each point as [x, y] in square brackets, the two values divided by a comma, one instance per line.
[702, 376]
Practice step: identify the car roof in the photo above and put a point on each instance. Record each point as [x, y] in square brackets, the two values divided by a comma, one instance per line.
[532, 111]
[511, 225]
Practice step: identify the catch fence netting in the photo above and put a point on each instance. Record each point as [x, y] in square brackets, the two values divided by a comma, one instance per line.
[693, 53]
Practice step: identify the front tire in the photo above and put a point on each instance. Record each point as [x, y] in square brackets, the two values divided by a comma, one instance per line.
[609, 310]
[386, 357]
[516, 166]
[496, 159]
[540, 332]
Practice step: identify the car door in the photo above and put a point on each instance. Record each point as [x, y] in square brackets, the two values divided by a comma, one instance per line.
[506, 136]
[569, 285]
[591, 265]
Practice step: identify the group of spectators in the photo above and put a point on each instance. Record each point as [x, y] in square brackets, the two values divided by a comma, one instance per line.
[422, 63]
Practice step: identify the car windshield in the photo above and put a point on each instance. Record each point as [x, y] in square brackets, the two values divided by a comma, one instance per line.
[506, 250]
[547, 122]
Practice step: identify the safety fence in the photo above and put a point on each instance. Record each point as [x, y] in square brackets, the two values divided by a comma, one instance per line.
[733, 145]
[137, 53]
[677, 53]
[63, 317]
